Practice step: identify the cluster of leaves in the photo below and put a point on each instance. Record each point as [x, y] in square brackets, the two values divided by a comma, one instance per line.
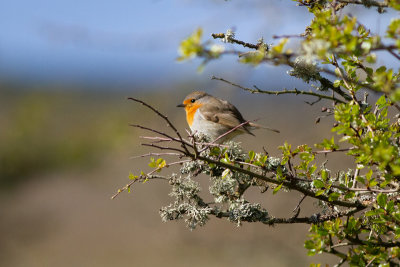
[381, 221]
[358, 218]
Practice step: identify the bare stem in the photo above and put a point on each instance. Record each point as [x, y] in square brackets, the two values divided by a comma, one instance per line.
[285, 91]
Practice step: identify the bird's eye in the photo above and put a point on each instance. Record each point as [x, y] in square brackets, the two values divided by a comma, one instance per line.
[193, 100]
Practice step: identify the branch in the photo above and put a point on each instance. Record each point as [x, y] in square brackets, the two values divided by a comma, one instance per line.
[225, 134]
[141, 178]
[285, 91]
[156, 155]
[365, 3]
[165, 148]
[315, 218]
[154, 131]
[333, 150]
[165, 118]
[371, 243]
[298, 204]
[233, 40]
[290, 184]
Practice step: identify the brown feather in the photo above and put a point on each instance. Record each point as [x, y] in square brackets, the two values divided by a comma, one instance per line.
[223, 112]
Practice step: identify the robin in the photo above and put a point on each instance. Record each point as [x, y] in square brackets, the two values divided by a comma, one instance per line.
[214, 117]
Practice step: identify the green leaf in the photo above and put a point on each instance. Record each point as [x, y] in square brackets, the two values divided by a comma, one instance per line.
[318, 184]
[276, 189]
[381, 102]
[370, 213]
[251, 155]
[191, 46]
[381, 199]
[225, 173]
[333, 196]
[390, 206]
[324, 174]
[132, 177]
[349, 195]
[337, 83]
[226, 159]
[278, 49]
[152, 163]
[253, 57]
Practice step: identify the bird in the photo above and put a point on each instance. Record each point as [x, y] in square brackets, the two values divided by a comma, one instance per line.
[215, 117]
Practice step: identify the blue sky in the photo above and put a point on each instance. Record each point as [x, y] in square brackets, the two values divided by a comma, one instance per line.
[134, 42]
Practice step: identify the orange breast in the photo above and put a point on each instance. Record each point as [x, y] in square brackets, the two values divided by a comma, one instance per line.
[190, 111]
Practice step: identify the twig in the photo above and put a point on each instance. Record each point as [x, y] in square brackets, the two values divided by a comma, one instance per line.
[140, 178]
[161, 139]
[341, 245]
[374, 190]
[158, 138]
[230, 131]
[165, 118]
[285, 91]
[298, 204]
[371, 261]
[372, 243]
[340, 263]
[308, 220]
[233, 40]
[314, 102]
[333, 150]
[166, 148]
[156, 155]
[361, 2]
[302, 35]
[394, 54]
[225, 134]
[149, 176]
[289, 184]
[152, 130]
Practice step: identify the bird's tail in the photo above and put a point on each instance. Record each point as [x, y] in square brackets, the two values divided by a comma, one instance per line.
[258, 126]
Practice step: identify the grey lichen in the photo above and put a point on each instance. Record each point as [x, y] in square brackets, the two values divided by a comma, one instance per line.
[229, 35]
[191, 167]
[241, 210]
[194, 214]
[221, 189]
[187, 204]
[183, 187]
[305, 69]
[273, 163]
[226, 186]
[262, 45]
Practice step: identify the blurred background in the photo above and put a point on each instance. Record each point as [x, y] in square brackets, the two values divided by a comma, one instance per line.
[66, 69]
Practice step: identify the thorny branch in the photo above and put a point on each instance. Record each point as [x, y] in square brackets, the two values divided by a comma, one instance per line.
[285, 91]
[315, 218]
[165, 118]
[233, 40]
[367, 3]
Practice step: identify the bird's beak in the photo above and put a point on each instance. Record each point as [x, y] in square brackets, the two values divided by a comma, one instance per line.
[181, 105]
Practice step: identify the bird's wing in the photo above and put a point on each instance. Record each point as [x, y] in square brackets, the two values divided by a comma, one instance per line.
[228, 116]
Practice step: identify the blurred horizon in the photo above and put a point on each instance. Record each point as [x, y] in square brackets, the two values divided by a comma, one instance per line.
[125, 43]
